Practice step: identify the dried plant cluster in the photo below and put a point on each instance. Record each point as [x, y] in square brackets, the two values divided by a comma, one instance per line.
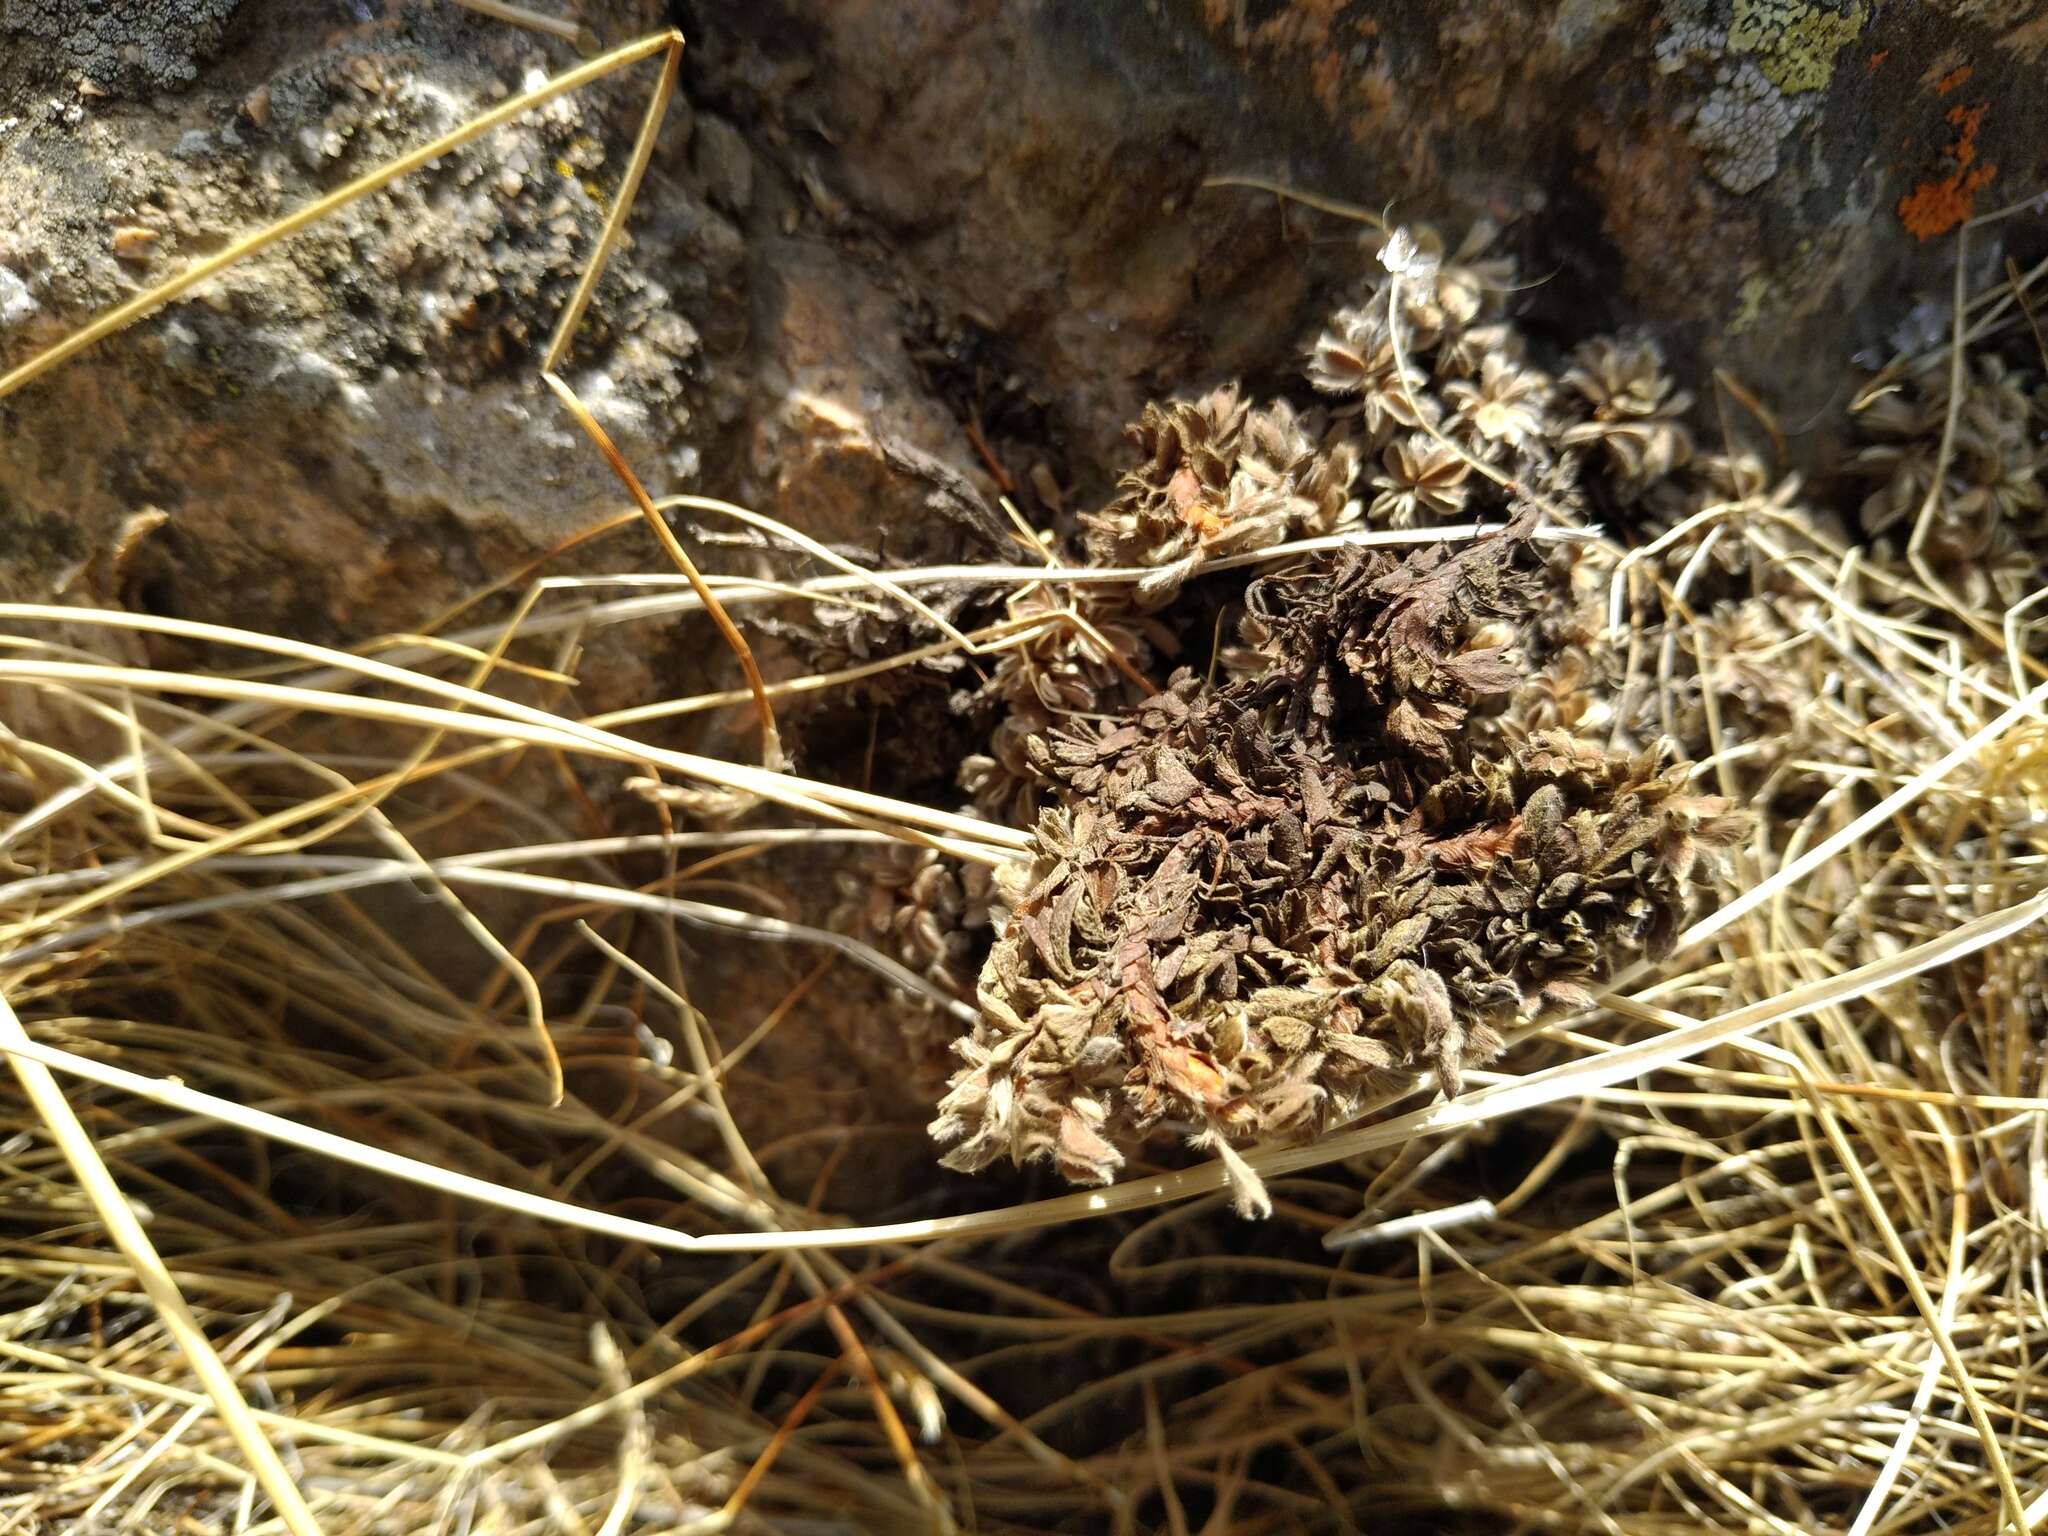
[1417, 389]
[1422, 386]
[1256, 905]
[1380, 445]
[1991, 498]
[1771, 1206]
[1218, 478]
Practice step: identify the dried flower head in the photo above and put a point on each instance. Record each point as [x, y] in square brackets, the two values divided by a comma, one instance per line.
[1634, 408]
[1085, 652]
[998, 783]
[1254, 904]
[1563, 696]
[1440, 313]
[1464, 355]
[1354, 360]
[922, 910]
[1743, 652]
[1421, 481]
[1217, 478]
[1990, 489]
[1281, 460]
[1506, 409]
[1442, 292]
[1188, 449]
[1081, 650]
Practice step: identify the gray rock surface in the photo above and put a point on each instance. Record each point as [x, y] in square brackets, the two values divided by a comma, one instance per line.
[136, 46]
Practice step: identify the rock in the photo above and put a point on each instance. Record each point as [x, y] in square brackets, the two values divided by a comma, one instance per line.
[133, 47]
[724, 164]
[16, 302]
[393, 346]
[1772, 184]
[835, 384]
[1017, 197]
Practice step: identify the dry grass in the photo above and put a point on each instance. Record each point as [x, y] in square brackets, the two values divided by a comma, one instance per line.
[1756, 1246]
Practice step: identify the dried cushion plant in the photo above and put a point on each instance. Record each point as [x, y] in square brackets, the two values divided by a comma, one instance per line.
[1254, 904]
[1218, 477]
[1403, 421]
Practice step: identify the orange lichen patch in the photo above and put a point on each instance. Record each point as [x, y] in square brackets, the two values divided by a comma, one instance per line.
[1936, 207]
[1953, 79]
[1877, 59]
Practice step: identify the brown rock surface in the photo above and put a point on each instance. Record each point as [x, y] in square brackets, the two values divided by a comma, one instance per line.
[1016, 190]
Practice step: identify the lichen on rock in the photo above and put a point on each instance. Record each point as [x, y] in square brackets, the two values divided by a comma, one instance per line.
[1770, 60]
[133, 46]
[1794, 41]
[1741, 124]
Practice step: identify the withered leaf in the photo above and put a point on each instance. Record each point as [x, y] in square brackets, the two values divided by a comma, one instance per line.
[1174, 785]
[1403, 940]
[1423, 725]
[1084, 1155]
[1474, 847]
[1484, 671]
[1051, 931]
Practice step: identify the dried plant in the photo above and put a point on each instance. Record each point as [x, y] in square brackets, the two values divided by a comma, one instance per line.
[1991, 483]
[1740, 661]
[1000, 783]
[1217, 477]
[1083, 652]
[1506, 410]
[1257, 903]
[1450, 317]
[928, 913]
[1355, 360]
[1569, 694]
[1634, 410]
[1421, 480]
[1452, 289]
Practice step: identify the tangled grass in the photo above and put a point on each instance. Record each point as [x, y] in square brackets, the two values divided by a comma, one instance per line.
[1759, 1241]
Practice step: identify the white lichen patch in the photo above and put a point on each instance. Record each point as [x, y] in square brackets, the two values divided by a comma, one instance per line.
[1688, 36]
[134, 47]
[1770, 60]
[1741, 125]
